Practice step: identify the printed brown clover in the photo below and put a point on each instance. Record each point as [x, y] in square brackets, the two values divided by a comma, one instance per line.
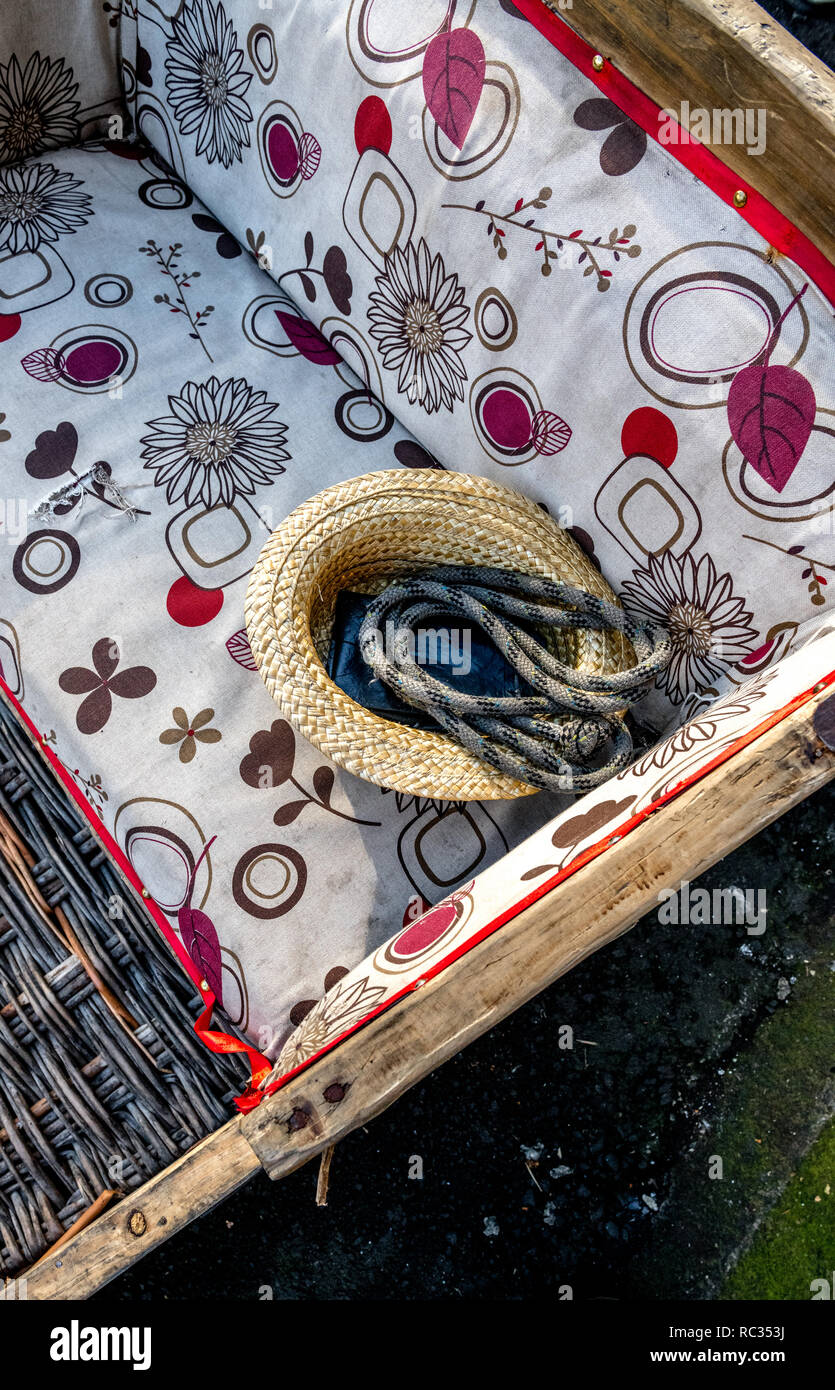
[189, 732]
[102, 683]
[625, 146]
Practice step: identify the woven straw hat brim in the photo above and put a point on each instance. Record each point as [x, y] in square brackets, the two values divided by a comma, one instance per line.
[360, 535]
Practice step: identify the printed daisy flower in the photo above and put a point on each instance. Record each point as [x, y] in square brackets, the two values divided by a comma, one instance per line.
[708, 623]
[206, 83]
[220, 441]
[190, 732]
[37, 107]
[344, 1004]
[416, 315]
[37, 204]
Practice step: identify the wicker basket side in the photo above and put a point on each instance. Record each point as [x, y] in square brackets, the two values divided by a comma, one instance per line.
[102, 1080]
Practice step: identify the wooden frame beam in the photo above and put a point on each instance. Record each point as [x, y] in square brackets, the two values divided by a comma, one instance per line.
[186, 1189]
[727, 55]
[373, 1067]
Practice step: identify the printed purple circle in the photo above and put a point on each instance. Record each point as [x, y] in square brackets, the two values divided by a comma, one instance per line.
[506, 418]
[282, 150]
[94, 357]
[93, 361]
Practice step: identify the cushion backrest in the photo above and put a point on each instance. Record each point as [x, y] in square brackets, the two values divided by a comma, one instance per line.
[59, 79]
[538, 291]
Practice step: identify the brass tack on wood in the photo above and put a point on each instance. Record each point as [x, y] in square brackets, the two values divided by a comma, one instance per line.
[740, 198]
[137, 1223]
[597, 62]
[145, 893]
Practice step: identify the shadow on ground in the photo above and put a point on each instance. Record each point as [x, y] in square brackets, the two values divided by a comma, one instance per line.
[545, 1167]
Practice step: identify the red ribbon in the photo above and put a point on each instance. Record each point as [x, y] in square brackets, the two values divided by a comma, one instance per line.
[260, 1065]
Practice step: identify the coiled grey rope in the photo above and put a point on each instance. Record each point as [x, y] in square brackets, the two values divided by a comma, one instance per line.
[547, 739]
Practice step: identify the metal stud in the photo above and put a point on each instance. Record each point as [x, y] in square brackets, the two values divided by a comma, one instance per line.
[740, 198]
[145, 893]
[204, 985]
[597, 62]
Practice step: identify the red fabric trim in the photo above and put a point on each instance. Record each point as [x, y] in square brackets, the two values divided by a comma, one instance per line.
[585, 857]
[758, 212]
[216, 1042]
[260, 1065]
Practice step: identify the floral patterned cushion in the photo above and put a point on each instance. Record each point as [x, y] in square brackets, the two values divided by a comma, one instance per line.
[157, 428]
[358, 237]
[538, 291]
[59, 80]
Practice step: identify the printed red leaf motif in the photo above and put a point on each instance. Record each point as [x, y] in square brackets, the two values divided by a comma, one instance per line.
[771, 411]
[307, 340]
[549, 432]
[239, 649]
[453, 78]
[44, 364]
[198, 934]
[310, 152]
[200, 939]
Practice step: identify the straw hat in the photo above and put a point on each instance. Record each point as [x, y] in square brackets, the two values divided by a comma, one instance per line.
[360, 535]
